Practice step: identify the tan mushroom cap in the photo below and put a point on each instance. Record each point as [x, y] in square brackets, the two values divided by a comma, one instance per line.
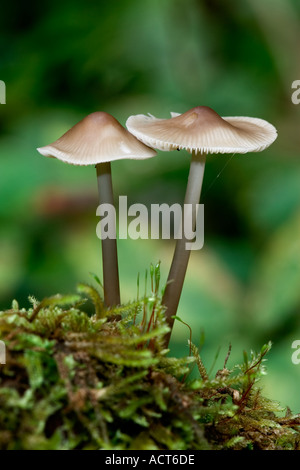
[97, 138]
[202, 130]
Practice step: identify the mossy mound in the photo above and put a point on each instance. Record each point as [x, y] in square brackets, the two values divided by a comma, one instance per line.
[102, 380]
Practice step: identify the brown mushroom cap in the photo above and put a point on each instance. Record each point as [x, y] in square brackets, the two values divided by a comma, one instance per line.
[97, 138]
[202, 130]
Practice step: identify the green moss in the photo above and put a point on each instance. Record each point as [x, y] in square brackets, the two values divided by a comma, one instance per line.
[102, 380]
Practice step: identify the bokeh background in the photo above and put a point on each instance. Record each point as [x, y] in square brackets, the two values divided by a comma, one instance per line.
[63, 60]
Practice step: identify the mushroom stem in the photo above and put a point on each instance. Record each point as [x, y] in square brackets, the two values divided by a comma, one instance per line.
[181, 255]
[109, 245]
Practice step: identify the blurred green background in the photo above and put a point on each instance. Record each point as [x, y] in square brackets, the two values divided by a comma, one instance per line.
[63, 60]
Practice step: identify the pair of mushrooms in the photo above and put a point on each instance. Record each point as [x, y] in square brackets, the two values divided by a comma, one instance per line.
[100, 139]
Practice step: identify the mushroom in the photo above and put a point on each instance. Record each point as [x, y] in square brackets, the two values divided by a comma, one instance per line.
[200, 131]
[99, 139]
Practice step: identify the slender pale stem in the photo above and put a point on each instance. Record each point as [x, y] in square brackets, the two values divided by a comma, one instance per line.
[181, 255]
[109, 245]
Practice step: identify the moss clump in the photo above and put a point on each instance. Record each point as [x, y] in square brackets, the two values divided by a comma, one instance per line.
[102, 380]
